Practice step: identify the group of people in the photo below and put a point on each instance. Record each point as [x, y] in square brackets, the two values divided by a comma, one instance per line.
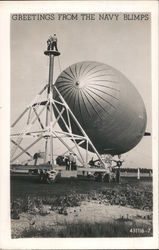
[52, 43]
[70, 161]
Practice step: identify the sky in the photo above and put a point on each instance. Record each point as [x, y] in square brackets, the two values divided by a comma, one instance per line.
[122, 44]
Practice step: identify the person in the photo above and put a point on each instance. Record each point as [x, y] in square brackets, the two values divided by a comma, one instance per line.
[67, 162]
[48, 44]
[118, 165]
[118, 175]
[74, 162]
[35, 157]
[54, 42]
[70, 157]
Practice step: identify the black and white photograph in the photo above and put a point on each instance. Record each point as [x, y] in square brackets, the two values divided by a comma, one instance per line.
[81, 125]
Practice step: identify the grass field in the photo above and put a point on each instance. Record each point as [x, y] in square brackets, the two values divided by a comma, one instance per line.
[67, 193]
[22, 186]
[78, 230]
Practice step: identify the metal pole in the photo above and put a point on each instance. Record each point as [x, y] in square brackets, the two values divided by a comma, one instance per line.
[51, 65]
[50, 93]
[87, 151]
[29, 115]
[46, 124]
[49, 97]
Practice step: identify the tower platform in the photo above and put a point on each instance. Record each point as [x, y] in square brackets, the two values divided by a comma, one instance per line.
[52, 52]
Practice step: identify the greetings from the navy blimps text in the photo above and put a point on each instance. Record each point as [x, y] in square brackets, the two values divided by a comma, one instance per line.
[82, 16]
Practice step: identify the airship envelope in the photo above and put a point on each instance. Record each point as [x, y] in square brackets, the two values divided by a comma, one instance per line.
[106, 104]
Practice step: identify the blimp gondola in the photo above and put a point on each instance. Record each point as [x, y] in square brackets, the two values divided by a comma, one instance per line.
[106, 104]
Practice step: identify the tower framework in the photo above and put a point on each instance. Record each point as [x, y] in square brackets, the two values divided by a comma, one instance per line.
[48, 131]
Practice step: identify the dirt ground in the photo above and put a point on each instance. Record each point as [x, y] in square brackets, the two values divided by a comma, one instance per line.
[88, 212]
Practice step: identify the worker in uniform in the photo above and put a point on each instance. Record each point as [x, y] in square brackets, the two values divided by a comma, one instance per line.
[53, 40]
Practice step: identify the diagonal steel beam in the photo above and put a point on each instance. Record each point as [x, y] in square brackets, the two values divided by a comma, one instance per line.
[21, 148]
[26, 149]
[59, 116]
[23, 113]
[79, 143]
[38, 118]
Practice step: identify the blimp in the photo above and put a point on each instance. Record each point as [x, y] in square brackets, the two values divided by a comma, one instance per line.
[106, 104]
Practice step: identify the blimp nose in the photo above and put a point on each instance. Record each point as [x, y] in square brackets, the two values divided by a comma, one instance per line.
[81, 82]
[77, 83]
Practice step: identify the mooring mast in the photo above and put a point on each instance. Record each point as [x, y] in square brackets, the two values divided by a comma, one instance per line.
[48, 131]
[51, 53]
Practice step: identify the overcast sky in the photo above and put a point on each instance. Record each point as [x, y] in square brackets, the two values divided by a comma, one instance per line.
[124, 45]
